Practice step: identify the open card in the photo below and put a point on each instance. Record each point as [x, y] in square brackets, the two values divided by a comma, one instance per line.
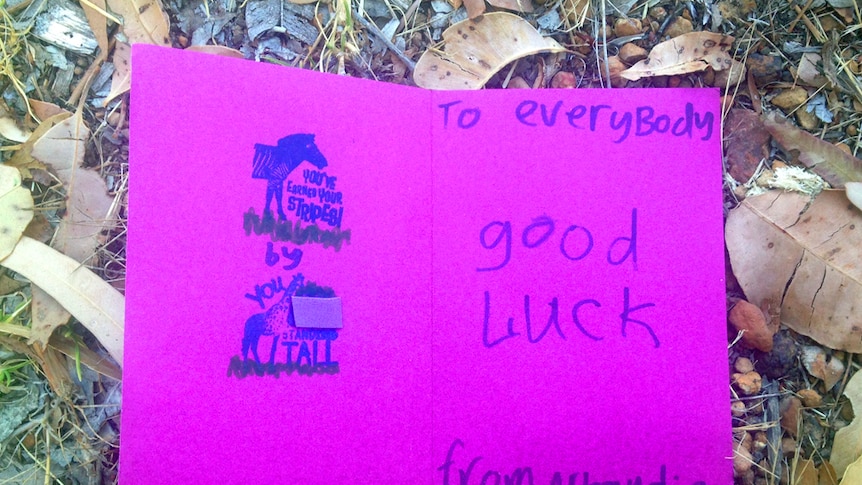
[518, 286]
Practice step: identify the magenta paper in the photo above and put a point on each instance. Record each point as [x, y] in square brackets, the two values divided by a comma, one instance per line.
[528, 284]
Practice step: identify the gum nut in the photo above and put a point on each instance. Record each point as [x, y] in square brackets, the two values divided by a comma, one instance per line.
[743, 364]
[810, 398]
[748, 383]
[749, 319]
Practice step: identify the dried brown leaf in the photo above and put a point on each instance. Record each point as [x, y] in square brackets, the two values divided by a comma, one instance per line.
[218, 50]
[97, 20]
[827, 160]
[9, 127]
[854, 193]
[16, 209]
[686, 53]
[87, 201]
[144, 21]
[23, 157]
[474, 8]
[87, 357]
[44, 110]
[513, 5]
[819, 365]
[847, 447]
[92, 300]
[853, 473]
[47, 314]
[121, 80]
[807, 256]
[477, 49]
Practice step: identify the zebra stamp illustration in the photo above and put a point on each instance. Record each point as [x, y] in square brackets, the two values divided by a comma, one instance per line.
[275, 163]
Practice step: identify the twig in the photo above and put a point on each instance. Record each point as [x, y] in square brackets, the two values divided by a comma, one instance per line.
[392, 47]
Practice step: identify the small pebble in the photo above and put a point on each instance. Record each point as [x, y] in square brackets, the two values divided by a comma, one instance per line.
[807, 120]
[743, 365]
[764, 68]
[790, 99]
[810, 398]
[748, 383]
[629, 26]
[790, 408]
[748, 318]
[631, 53]
[760, 441]
[788, 445]
[564, 79]
[737, 409]
[742, 460]
[679, 26]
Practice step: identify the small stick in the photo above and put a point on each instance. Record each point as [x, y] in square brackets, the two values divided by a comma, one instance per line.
[799, 16]
[392, 47]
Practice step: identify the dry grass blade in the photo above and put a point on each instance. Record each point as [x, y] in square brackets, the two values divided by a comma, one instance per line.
[93, 301]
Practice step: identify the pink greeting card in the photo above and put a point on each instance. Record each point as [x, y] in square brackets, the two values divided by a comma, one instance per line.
[333, 280]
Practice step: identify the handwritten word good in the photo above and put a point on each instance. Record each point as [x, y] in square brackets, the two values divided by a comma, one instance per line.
[319, 178]
[576, 242]
[295, 233]
[524, 475]
[312, 212]
[272, 257]
[584, 313]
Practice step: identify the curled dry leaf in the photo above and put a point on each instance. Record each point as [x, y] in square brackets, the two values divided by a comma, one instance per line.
[121, 80]
[23, 157]
[805, 254]
[854, 193]
[474, 8]
[218, 50]
[44, 110]
[9, 127]
[853, 473]
[87, 202]
[686, 53]
[513, 5]
[825, 159]
[16, 209]
[819, 365]
[92, 300]
[847, 447]
[47, 314]
[95, 12]
[476, 49]
[144, 21]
